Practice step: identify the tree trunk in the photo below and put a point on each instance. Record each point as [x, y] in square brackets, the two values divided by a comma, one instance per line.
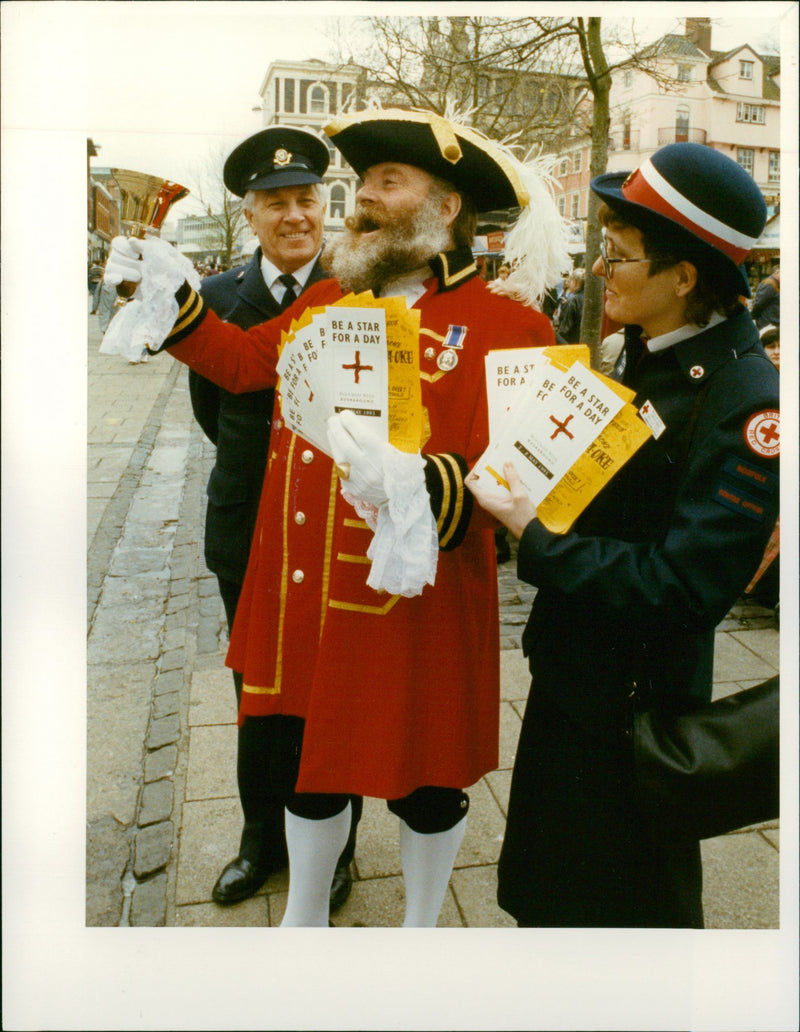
[600, 82]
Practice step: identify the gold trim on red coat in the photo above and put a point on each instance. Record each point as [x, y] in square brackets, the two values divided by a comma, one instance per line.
[358, 608]
[326, 562]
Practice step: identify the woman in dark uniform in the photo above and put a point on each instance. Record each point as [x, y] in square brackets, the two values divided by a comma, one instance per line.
[628, 599]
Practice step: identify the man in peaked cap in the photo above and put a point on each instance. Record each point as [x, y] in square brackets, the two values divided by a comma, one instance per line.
[399, 692]
[278, 173]
[640, 582]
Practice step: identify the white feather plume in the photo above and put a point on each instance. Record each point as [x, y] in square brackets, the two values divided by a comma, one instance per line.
[536, 247]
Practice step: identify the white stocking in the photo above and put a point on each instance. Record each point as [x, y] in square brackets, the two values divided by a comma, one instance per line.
[314, 849]
[427, 864]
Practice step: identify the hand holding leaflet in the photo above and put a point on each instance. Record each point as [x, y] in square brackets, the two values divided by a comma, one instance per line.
[567, 431]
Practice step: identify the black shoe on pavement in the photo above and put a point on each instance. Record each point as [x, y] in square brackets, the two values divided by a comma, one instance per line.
[341, 886]
[239, 880]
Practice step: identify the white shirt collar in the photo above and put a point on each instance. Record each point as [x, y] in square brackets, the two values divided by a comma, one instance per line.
[411, 286]
[271, 274]
[667, 340]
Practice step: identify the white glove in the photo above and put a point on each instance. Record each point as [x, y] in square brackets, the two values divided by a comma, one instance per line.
[145, 322]
[360, 452]
[124, 261]
[387, 489]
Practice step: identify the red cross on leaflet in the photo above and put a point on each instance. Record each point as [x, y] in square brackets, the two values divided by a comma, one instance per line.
[769, 434]
[561, 428]
[357, 367]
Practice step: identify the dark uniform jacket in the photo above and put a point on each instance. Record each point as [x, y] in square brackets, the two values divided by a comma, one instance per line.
[238, 424]
[627, 602]
[655, 563]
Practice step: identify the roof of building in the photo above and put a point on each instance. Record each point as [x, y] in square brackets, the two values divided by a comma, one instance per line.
[674, 45]
[680, 46]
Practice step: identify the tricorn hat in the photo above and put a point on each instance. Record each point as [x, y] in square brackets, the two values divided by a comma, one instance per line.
[696, 196]
[275, 157]
[475, 165]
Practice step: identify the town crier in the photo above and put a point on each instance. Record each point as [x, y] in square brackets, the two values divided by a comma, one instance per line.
[398, 688]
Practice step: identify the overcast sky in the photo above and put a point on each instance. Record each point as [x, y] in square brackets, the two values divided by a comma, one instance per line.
[161, 86]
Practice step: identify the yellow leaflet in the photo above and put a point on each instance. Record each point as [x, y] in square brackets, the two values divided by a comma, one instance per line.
[563, 355]
[405, 394]
[604, 457]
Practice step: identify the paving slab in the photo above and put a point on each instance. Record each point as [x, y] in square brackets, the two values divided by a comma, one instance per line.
[250, 913]
[475, 891]
[741, 881]
[212, 762]
[734, 661]
[213, 699]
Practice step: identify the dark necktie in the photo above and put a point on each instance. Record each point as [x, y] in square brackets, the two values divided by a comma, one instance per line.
[290, 294]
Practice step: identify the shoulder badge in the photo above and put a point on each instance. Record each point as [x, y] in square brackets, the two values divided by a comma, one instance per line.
[762, 433]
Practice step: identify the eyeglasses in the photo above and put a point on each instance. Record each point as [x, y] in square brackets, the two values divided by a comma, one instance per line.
[609, 263]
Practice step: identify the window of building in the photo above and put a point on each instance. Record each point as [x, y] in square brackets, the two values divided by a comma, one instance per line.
[746, 158]
[751, 113]
[318, 100]
[338, 199]
[626, 133]
[288, 94]
[576, 161]
[563, 168]
[627, 78]
[682, 124]
[332, 152]
[562, 205]
[745, 69]
[685, 73]
[277, 94]
[575, 202]
[774, 166]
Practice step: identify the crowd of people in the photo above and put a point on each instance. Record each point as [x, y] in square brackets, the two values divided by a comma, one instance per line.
[390, 688]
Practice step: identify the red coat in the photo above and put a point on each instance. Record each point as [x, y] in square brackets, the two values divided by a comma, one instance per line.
[397, 693]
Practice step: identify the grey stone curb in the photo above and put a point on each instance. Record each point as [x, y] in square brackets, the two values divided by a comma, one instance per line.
[107, 534]
[190, 605]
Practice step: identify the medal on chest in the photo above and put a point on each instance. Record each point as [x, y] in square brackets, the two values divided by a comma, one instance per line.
[452, 342]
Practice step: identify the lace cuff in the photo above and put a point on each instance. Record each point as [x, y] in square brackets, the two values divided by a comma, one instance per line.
[405, 545]
[143, 324]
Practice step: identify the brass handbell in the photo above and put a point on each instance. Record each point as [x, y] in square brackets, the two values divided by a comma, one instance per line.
[144, 202]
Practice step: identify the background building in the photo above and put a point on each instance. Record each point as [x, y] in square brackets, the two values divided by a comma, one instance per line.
[309, 94]
[726, 100]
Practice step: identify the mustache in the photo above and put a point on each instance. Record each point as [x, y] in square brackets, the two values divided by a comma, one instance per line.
[366, 219]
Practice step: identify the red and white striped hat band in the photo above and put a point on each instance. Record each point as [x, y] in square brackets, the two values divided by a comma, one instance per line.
[646, 186]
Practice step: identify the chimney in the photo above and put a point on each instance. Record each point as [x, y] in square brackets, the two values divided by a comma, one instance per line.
[698, 30]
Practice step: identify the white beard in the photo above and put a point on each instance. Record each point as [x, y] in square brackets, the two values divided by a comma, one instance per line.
[403, 243]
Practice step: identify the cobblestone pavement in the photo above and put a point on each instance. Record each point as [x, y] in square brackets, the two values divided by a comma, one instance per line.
[162, 810]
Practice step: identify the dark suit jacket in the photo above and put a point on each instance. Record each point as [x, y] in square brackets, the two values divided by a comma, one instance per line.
[766, 308]
[238, 424]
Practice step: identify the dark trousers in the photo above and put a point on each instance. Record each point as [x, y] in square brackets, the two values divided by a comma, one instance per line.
[267, 765]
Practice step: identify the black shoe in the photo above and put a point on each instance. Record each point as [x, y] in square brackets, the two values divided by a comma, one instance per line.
[341, 886]
[239, 880]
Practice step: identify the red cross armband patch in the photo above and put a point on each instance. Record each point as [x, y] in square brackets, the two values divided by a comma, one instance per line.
[762, 433]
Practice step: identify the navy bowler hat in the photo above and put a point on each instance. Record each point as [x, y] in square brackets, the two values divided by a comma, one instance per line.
[460, 155]
[695, 195]
[275, 157]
